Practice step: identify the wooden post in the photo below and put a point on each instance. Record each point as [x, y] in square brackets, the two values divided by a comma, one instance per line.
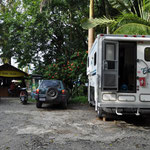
[91, 31]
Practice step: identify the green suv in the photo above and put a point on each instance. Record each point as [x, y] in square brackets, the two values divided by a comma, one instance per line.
[52, 91]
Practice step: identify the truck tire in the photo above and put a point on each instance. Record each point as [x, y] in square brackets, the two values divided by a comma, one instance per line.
[100, 112]
[39, 104]
[52, 93]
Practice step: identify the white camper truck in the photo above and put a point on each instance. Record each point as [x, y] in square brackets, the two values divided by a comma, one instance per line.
[119, 74]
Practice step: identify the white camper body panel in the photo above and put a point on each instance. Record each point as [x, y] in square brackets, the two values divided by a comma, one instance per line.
[119, 74]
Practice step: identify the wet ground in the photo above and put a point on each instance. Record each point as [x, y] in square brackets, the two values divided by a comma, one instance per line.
[24, 127]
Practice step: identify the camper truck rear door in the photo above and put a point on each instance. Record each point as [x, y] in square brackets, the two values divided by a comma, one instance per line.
[110, 65]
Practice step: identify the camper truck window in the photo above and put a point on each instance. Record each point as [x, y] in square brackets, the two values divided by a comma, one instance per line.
[147, 54]
[94, 59]
[110, 52]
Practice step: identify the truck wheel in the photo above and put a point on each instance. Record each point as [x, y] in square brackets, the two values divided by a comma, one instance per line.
[39, 104]
[91, 105]
[100, 112]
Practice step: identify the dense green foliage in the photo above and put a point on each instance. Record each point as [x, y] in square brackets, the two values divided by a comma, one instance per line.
[69, 70]
[49, 35]
[79, 99]
[133, 18]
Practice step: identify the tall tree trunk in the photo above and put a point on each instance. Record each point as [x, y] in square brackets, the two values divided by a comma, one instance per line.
[91, 31]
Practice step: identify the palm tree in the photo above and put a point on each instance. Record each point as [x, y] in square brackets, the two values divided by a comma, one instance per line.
[134, 18]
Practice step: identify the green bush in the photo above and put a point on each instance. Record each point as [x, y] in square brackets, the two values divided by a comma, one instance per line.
[79, 99]
[31, 100]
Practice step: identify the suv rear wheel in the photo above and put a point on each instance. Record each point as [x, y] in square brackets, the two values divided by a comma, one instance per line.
[39, 104]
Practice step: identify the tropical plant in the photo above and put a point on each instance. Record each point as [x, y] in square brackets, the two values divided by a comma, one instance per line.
[134, 18]
[71, 71]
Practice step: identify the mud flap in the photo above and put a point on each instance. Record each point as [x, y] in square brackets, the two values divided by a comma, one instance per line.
[96, 91]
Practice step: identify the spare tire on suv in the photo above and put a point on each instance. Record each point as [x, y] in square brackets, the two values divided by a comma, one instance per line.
[52, 93]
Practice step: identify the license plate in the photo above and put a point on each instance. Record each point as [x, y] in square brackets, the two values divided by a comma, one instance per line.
[42, 99]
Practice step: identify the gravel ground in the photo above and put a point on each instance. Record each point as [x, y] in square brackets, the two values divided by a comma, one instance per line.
[24, 127]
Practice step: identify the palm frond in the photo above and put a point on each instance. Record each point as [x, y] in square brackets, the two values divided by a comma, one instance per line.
[121, 5]
[128, 18]
[133, 29]
[137, 7]
[147, 6]
[91, 23]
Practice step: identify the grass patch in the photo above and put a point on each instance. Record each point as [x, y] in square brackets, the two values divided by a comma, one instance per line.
[74, 100]
[79, 99]
[31, 100]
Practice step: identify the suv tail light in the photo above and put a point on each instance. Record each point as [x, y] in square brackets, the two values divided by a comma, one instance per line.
[63, 91]
[37, 91]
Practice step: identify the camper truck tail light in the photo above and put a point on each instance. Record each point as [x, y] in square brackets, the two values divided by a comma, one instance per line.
[134, 36]
[143, 35]
[125, 35]
[101, 34]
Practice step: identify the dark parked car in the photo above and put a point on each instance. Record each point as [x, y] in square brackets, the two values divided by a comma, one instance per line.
[52, 91]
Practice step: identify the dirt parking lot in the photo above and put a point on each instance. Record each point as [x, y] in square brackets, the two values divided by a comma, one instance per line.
[24, 127]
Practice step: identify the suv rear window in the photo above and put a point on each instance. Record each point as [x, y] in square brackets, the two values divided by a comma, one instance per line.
[50, 83]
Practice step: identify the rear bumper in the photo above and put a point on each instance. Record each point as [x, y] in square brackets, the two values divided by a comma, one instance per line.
[127, 111]
[125, 108]
[145, 105]
[42, 98]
